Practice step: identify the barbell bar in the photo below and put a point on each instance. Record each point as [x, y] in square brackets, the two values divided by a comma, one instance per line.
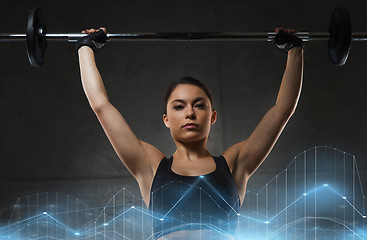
[183, 36]
[339, 36]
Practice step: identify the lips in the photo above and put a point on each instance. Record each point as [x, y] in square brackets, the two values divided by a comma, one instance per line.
[190, 124]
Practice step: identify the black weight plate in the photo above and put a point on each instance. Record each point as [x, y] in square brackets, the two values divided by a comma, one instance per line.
[340, 30]
[36, 40]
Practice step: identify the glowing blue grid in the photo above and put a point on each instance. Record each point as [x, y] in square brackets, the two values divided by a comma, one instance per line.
[319, 195]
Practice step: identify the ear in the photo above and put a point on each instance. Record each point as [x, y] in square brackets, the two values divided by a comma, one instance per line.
[214, 117]
[165, 120]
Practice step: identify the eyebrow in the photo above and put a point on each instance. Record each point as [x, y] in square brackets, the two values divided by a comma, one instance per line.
[195, 100]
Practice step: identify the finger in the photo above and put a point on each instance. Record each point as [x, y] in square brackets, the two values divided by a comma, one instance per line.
[278, 29]
[103, 29]
[291, 30]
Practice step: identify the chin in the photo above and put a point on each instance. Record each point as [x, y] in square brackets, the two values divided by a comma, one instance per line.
[191, 138]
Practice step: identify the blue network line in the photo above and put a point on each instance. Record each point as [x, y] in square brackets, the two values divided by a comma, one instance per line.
[332, 208]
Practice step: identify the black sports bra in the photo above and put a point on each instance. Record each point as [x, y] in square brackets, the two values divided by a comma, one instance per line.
[193, 202]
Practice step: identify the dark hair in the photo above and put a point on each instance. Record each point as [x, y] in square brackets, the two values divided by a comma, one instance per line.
[187, 80]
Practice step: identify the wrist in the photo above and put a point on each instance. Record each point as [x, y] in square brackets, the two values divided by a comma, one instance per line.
[85, 49]
[286, 41]
[295, 50]
[96, 41]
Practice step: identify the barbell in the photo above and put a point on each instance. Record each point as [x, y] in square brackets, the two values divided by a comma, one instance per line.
[339, 36]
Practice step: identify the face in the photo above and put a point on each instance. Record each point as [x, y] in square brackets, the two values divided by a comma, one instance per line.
[189, 104]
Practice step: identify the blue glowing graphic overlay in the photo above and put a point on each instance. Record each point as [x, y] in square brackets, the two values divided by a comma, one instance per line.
[319, 195]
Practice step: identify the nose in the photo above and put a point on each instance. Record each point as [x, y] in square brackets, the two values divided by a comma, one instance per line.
[190, 113]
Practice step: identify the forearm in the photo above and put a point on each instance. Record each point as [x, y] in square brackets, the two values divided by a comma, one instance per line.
[91, 79]
[290, 88]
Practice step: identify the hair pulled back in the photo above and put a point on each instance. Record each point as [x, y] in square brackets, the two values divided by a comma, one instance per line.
[187, 80]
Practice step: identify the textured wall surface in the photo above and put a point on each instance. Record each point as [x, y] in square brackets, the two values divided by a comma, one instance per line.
[51, 140]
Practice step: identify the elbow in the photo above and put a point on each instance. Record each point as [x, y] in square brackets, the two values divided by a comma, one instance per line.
[291, 111]
[286, 110]
[97, 108]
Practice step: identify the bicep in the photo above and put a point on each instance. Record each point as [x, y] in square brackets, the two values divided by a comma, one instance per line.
[131, 151]
[263, 138]
[248, 155]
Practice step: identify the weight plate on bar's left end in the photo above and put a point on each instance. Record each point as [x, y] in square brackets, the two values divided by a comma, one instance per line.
[36, 40]
[340, 30]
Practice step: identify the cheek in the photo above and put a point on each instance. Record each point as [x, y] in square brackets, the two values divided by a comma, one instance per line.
[208, 117]
[174, 119]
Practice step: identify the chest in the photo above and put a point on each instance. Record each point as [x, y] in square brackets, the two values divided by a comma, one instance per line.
[173, 185]
[193, 168]
[192, 201]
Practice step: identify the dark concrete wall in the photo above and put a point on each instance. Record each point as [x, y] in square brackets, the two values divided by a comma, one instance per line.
[52, 141]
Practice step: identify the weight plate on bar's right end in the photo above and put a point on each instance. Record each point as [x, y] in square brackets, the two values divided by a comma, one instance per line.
[340, 30]
[36, 40]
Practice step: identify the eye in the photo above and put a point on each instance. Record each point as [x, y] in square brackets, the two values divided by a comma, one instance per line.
[200, 105]
[178, 107]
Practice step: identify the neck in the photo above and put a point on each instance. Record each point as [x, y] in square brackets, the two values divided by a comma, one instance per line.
[191, 150]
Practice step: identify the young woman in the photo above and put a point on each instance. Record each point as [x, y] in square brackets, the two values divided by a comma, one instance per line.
[192, 186]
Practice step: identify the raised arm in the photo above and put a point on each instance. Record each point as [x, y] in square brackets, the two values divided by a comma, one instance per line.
[265, 135]
[92, 82]
[135, 154]
[250, 153]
